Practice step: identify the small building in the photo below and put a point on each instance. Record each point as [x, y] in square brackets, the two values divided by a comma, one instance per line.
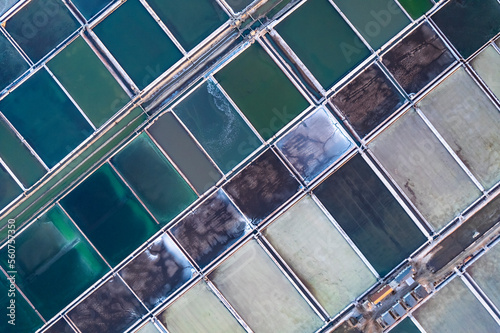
[403, 276]
[398, 310]
[388, 319]
[409, 301]
[381, 294]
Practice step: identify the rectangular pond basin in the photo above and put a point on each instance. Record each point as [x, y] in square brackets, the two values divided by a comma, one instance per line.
[486, 273]
[26, 319]
[424, 169]
[210, 229]
[9, 190]
[376, 20]
[368, 100]
[5, 5]
[11, 62]
[112, 307]
[88, 8]
[261, 90]
[157, 272]
[238, 5]
[88, 81]
[190, 21]
[314, 144]
[184, 152]
[18, 157]
[405, 326]
[263, 186]
[469, 122]
[469, 24]
[465, 235]
[416, 8]
[261, 294]
[40, 26]
[109, 214]
[52, 249]
[320, 256]
[153, 178]
[217, 126]
[48, 120]
[137, 42]
[418, 59]
[370, 215]
[199, 310]
[455, 309]
[324, 42]
[487, 65]
[61, 326]
[148, 328]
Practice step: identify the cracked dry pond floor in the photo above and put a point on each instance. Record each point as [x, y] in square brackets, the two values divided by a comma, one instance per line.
[368, 100]
[210, 229]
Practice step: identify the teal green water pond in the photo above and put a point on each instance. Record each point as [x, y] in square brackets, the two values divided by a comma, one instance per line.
[26, 318]
[324, 42]
[86, 78]
[9, 189]
[189, 21]
[109, 214]
[52, 249]
[45, 117]
[376, 20]
[261, 90]
[153, 178]
[217, 126]
[89, 8]
[137, 42]
[40, 26]
[18, 157]
[11, 62]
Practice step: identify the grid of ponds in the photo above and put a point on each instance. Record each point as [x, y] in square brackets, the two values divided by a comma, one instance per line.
[247, 204]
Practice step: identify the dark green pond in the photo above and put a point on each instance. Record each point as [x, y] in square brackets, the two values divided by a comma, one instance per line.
[9, 189]
[89, 8]
[153, 178]
[11, 63]
[138, 43]
[416, 8]
[261, 90]
[469, 24]
[323, 41]
[88, 81]
[109, 214]
[45, 117]
[40, 26]
[190, 21]
[18, 157]
[52, 249]
[217, 126]
[370, 215]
